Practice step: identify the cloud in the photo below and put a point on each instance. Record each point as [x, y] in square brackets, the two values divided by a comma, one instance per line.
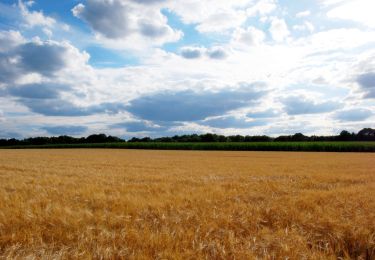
[9, 40]
[38, 91]
[367, 84]
[44, 58]
[360, 11]
[191, 106]
[139, 126]
[306, 26]
[4, 134]
[118, 20]
[192, 52]
[232, 122]
[222, 20]
[217, 53]
[303, 14]
[262, 7]
[250, 36]
[149, 1]
[269, 113]
[60, 107]
[34, 18]
[279, 29]
[299, 105]
[65, 130]
[353, 114]
[211, 15]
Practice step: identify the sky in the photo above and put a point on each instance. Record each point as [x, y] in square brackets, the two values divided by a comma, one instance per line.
[135, 68]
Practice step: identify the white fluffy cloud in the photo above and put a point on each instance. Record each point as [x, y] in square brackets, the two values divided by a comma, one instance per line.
[9, 40]
[262, 7]
[303, 14]
[279, 29]
[361, 11]
[35, 18]
[211, 15]
[248, 37]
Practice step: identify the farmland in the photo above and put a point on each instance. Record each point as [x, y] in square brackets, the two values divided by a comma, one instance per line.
[142, 204]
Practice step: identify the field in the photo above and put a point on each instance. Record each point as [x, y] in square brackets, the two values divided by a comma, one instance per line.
[226, 146]
[136, 204]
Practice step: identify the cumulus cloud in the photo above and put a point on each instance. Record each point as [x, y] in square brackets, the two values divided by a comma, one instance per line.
[60, 107]
[269, 113]
[250, 36]
[190, 105]
[65, 130]
[262, 7]
[353, 114]
[9, 40]
[360, 11]
[306, 26]
[279, 29]
[37, 91]
[367, 84]
[139, 126]
[303, 14]
[211, 15]
[222, 20]
[118, 20]
[34, 18]
[232, 122]
[191, 52]
[44, 58]
[217, 53]
[299, 105]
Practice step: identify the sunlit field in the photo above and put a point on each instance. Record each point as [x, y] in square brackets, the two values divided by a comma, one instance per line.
[133, 204]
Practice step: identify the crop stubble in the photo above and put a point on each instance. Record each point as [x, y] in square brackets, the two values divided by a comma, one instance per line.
[136, 204]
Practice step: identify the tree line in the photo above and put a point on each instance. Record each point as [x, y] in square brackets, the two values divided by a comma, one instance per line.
[366, 134]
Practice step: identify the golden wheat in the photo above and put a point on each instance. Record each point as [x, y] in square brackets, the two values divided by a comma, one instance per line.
[111, 204]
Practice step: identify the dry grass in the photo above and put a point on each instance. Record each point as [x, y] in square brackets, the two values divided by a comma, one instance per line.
[114, 204]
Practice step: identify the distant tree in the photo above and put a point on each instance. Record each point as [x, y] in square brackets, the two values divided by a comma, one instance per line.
[298, 137]
[346, 136]
[96, 138]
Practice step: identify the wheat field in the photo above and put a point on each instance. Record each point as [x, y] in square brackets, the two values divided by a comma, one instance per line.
[134, 204]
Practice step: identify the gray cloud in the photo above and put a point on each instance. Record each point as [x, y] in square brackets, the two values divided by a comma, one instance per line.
[147, 28]
[299, 105]
[58, 107]
[45, 58]
[263, 114]
[109, 18]
[232, 122]
[355, 114]
[149, 1]
[191, 53]
[65, 130]
[139, 126]
[116, 19]
[37, 91]
[191, 106]
[217, 53]
[367, 83]
[8, 135]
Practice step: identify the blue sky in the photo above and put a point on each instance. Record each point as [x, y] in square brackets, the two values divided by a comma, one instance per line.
[164, 67]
